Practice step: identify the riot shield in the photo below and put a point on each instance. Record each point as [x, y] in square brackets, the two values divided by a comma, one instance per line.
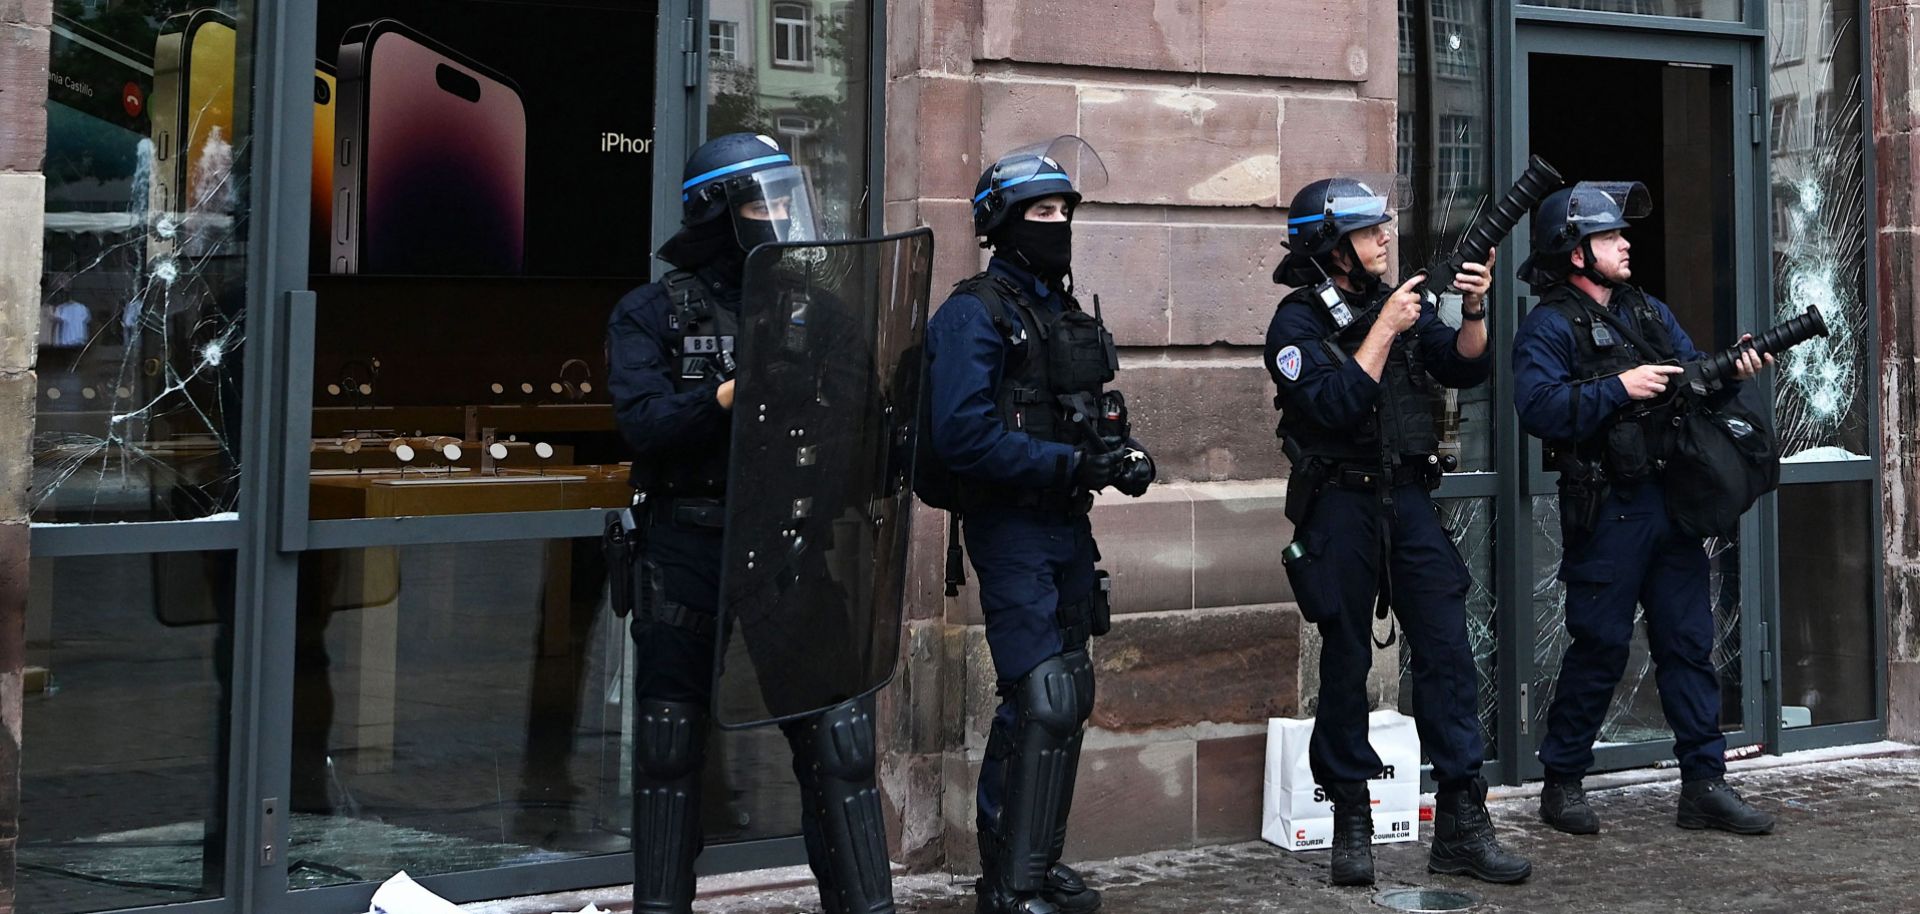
[829, 358]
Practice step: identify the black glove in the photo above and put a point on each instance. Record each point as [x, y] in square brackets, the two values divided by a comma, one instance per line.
[1093, 470]
[1135, 472]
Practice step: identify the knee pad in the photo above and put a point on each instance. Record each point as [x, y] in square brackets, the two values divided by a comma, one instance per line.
[1057, 695]
[669, 738]
[841, 741]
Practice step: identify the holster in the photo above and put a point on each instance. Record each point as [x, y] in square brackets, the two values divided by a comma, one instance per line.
[1303, 489]
[623, 541]
[1583, 495]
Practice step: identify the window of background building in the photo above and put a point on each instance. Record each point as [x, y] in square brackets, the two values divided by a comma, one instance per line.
[1788, 28]
[723, 39]
[793, 35]
[821, 114]
[1784, 124]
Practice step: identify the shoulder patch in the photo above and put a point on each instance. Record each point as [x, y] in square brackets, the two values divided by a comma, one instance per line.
[1287, 361]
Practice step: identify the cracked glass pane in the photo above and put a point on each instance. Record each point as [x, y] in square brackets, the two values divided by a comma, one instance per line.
[1819, 219]
[1470, 522]
[142, 327]
[1635, 714]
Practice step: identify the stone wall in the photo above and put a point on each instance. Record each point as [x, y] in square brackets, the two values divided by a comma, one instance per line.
[1209, 114]
[1896, 149]
[24, 40]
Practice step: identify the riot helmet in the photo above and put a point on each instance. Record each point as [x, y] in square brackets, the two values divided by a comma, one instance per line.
[1065, 167]
[748, 178]
[1568, 219]
[1319, 220]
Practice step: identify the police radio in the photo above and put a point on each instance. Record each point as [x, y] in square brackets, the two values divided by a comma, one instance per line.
[1332, 302]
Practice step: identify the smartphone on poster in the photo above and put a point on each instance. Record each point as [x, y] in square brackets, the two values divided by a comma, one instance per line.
[430, 159]
[192, 127]
[320, 190]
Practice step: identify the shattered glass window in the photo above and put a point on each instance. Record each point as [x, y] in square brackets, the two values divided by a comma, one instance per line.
[1635, 713]
[1469, 521]
[1820, 233]
[143, 331]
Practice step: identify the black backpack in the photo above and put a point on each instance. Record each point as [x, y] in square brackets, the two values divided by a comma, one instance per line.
[1723, 459]
[1720, 458]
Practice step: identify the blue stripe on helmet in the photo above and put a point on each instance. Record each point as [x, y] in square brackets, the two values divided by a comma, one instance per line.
[1316, 217]
[775, 159]
[1034, 177]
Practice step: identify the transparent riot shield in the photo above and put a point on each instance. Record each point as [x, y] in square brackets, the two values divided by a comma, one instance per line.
[830, 362]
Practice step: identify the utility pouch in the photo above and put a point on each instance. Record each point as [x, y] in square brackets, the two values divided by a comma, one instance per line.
[1079, 353]
[1100, 613]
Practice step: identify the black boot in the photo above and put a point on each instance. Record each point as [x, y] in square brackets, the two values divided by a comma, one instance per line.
[1463, 841]
[1712, 804]
[1352, 833]
[1068, 892]
[1563, 805]
[994, 895]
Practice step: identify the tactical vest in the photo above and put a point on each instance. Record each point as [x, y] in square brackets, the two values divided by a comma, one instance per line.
[700, 346]
[1058, 367]
[1402, 423]
[1633, 445]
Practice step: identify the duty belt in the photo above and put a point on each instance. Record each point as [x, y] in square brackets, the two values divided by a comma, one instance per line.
[988, 495]
[1367, 478]
[696, 513]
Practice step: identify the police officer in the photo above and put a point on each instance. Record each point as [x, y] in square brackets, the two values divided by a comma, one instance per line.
[1359, 365]
[1583, 377]
[669, 353]
[1020, 417]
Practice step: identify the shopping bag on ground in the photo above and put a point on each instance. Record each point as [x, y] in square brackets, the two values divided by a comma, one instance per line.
[1295, 813]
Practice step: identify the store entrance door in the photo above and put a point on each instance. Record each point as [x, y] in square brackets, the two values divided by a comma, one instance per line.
[1671, 113]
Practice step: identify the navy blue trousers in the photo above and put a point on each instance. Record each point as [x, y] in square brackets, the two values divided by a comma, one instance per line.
[1337, 589]
[1634, 556]
[1028, 563]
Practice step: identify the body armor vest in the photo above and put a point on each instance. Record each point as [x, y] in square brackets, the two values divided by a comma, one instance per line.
[700, 346]
[1402, 425]
[1062, 361]
[1632, 445]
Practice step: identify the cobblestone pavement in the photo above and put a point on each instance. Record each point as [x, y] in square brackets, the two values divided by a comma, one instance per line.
[1847, 840]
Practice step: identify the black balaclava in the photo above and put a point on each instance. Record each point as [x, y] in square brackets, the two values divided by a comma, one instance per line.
[1044, 248]
[708, 243]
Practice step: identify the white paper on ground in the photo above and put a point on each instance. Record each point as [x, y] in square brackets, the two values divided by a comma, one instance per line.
[402, 895]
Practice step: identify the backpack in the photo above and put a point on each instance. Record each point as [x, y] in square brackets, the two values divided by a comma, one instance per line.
[1722, 459]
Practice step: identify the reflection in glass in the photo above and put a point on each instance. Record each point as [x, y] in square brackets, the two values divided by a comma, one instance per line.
[1443, 173]
[1827, 634]
[1819, 219]
[1470, 522]
[462, 707]
[143, 291]
[1728, 10]
[123, 781]
[1635, 714]
[796, 70]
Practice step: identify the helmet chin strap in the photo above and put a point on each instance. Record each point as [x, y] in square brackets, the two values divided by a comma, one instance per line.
[1592, 275]
[1357, 272]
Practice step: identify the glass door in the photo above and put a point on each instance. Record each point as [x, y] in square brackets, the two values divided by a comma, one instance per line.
[1672, 112]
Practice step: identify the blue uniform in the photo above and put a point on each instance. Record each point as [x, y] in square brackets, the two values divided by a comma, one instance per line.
[1029, 560]
[1329, 404]
[1633, 555]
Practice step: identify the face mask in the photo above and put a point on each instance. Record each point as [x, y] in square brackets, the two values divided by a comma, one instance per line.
[754, 232]
[1046, 248]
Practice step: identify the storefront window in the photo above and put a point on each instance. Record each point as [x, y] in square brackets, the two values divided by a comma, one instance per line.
[143, 331]
[123, 785]
[1443, 176]
[1728, 10]
[1469, 521]
[467, 706]
[1827, 634]
[1819, 227]
[799, 74]
[477, 211]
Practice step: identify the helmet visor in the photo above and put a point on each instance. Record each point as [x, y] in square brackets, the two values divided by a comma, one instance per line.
[772, 206]
[1601, 202]
[1067, 158]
